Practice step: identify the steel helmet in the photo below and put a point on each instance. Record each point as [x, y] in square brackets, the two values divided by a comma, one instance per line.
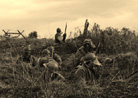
[51, 49]
[58, 30]
[52, 66]
[89, 42]
[46, 52]
[92, 57]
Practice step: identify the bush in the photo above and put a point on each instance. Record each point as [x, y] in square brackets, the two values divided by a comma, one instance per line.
[33, 34]
[126, 63]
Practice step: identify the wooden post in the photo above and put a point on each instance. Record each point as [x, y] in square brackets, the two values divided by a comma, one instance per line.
[85, 32]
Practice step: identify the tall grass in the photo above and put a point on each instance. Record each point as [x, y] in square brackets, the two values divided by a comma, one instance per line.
[29, 82]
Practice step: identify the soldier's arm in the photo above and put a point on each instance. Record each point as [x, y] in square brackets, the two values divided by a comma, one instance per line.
[40, 62]
[79, 74]
[58, 58]
[79, 53]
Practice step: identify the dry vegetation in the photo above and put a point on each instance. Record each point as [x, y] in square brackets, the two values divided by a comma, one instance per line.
[119, 77]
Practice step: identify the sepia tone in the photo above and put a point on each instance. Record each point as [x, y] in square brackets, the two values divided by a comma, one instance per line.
[68, 49]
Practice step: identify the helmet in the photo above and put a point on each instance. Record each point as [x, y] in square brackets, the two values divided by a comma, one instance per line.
[58, 30]
[92, 57]
[86, 41]
[52, 66]
[89, 42]
[51, 49]
[28, 46]
[89, 57]
[46, 52]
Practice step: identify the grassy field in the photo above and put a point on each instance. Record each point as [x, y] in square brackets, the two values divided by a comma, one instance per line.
[119, 79]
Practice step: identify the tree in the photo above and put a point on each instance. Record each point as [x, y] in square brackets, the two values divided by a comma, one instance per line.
[33, 34]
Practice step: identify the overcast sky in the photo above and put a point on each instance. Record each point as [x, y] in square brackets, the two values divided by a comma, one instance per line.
[44, 16]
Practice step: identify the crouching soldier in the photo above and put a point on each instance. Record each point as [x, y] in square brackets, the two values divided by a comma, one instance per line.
[88, 46]
[54, 55]
[50, 64]
[52, 67]
[74, 60]
[47, 55]
[88, 70]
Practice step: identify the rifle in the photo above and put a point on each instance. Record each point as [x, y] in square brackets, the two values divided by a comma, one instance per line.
[64, 35]
[97, 49]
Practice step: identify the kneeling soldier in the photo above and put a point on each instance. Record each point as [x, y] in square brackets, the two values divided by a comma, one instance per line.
[88, 69]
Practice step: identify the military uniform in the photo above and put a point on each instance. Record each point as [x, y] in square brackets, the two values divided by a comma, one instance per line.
[86, 62]
[88, 69]
[44, 60]
[74, 60]
[87, 47]
[80, 53]
[51, 61]
[59, 38]
[54, 55]
[48, 55]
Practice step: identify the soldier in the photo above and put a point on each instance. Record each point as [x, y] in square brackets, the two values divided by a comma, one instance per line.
[51, 62]
[54, 55]
[59, 38]
[27, 53]
[89, 69]
[45, 57]
[50, 65]
[87, 47]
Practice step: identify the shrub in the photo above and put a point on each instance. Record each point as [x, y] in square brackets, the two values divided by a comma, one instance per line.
[126, 63]
[33, 34]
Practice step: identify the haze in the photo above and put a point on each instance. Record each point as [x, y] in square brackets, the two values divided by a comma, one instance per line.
[44, 16]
